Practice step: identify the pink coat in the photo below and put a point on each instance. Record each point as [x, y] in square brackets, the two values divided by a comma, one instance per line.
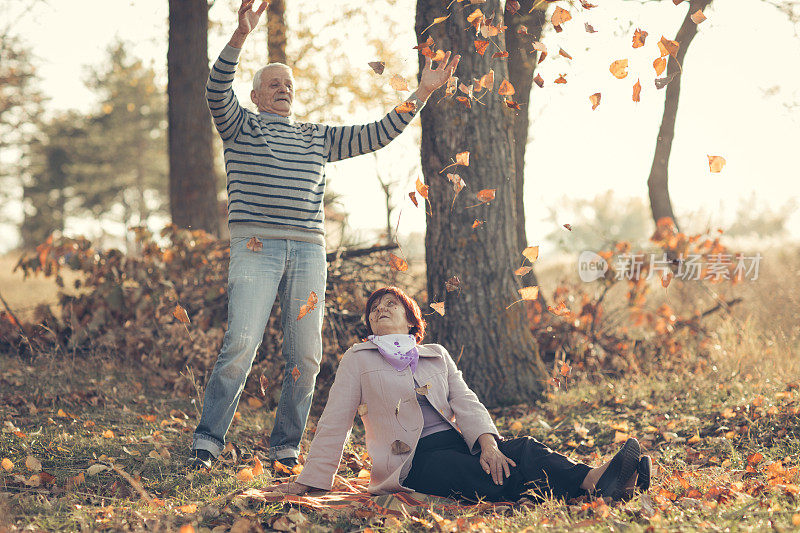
[366, 383]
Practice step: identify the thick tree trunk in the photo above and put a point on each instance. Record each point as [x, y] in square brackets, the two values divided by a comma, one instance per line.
[192, 183]
[276, 31]
[658, 182]
[521, 65]
[497, 352]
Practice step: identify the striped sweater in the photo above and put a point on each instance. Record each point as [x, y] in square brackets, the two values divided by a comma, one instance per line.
[276, 167]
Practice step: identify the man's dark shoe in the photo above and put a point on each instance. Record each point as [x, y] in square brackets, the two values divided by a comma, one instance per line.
[623, 465]
[643, 469]
[201, 459]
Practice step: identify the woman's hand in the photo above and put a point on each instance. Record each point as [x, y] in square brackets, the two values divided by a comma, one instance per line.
[493, 461]
[433, 78]
[292, 487]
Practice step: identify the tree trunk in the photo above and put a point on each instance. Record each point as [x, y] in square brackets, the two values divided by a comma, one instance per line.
[497, 352]
[521, 64]
[658, 182]
[192, 183]
[276, 31]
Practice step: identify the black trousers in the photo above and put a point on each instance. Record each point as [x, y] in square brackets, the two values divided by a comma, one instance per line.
[443, 466]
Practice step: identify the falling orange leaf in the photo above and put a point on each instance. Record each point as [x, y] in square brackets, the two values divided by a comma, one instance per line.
[422, 189]
[564, 53]
[397, 263]
[595, 100]
[501, 55]
[437, 20]
[426, 44]
[560, 79]
[309, 306]
[521, 271]
[589, 28]
[486, 81]
[398, 83]
[659, 65]
[506, 89]
[560, 16]
[486, 195]
[715, 163]
[438, 307]
[477, 223]
[462, 158]
[619, 68]
[452, 284]
[377, 66]
[538, 80]
[413, 196]
[295, 373]
[698, 16]
[637, 91]
[406, 107]
[475, 18]
[665, 279]
[438, 56]
[565, 369]
[457, 181]
[529, 293]
[180, 313]
[480, 46]
[531, 253]
[639, 37]
[668, 47]
[568, 226]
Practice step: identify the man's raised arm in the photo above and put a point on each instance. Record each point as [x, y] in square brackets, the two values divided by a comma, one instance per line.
[222, 102]
[342, 142]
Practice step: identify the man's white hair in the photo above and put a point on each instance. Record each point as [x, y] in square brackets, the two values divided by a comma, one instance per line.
[259, 72]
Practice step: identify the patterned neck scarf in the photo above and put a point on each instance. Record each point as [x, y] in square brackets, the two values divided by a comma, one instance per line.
[399, 349]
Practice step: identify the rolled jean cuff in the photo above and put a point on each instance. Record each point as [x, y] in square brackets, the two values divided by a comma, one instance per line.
[282, 452]
[207, 443]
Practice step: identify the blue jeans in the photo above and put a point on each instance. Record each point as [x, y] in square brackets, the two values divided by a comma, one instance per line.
[290, 269]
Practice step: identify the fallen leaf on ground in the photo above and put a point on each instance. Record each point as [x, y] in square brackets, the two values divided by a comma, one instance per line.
[33, 464]
[108, 434]
[258, 467]
[188, 508]
[244, 475]
[96, 469]
[7, 464]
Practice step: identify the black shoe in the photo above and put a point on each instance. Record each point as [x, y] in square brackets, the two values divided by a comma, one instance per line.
[623, 465]
[201, 459]
[643, 468]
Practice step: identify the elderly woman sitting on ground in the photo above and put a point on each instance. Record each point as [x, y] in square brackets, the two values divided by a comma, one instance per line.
[426, 431]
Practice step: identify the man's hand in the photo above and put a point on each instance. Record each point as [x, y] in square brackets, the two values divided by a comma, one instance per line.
[248, 19]
[292, 487]
[492, 460]
[433, 78]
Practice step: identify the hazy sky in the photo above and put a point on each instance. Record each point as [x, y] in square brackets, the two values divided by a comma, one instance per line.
[740, 81]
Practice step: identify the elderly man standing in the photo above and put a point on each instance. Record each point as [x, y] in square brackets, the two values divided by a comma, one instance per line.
[276, 181]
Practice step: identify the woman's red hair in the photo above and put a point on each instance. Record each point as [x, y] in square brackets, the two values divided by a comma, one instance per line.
[413, 312]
